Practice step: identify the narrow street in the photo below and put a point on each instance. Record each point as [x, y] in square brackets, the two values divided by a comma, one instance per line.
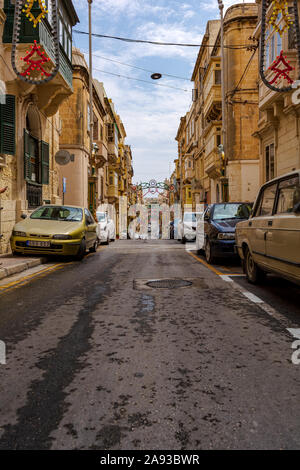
[97, 359]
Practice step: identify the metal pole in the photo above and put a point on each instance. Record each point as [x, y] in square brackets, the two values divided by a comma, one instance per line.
[221, 8]
[91, 79]
[180, 164]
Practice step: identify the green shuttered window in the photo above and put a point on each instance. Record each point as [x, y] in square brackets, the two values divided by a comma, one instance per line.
[8, 125]
[36, 160]
[45, 162]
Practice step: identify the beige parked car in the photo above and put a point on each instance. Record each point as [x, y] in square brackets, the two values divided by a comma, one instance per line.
[270, 240]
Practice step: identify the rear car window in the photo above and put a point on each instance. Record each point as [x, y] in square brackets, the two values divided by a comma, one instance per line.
[288, 195]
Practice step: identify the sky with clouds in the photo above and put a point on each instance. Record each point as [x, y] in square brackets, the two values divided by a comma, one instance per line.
[150, 112]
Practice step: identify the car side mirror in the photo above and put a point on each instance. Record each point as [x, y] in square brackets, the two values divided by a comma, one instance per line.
[23, 216]
[206, 217]
[297, 207]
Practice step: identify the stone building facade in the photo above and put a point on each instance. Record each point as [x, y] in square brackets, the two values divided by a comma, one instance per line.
[29, 119]
[236, 177]
[278, 126]
[85, 177]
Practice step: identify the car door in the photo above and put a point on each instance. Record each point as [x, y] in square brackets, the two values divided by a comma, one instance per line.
[258, 224]
[283, 234]
[200, 239]
[179, 229]
[111, 228]
[91, 227]
[207, 225]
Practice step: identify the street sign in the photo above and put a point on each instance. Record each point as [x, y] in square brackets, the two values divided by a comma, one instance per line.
[64, 185]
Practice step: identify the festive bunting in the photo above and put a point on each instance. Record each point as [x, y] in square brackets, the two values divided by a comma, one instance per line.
[36, 65]
[277, 75]
[35, 72]
[281, 72]
[30, 16]
[280, 7]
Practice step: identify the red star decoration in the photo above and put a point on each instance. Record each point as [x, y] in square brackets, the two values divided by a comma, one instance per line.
[281, 73]
[35, 64]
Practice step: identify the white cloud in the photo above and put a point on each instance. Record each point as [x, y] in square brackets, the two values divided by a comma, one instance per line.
[151, 114]
[151, 117]
[213, 5]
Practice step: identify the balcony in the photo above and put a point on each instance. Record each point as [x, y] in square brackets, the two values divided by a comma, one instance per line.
[50, 95]
[213, 165]
[113, 192]
[212, 108]
[112, 153]
[189, 174]
[101, 155]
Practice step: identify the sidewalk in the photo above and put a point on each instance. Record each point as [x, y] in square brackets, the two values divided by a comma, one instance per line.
[10, 265]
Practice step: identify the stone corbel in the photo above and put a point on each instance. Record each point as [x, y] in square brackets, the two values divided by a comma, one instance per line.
[278, 108]
[50, 98]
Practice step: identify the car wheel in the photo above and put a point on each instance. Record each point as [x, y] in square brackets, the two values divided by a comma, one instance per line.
[16, 253]
[253, 273]
[183, 240]
[81, 251]
[208, 252]
[93, 249]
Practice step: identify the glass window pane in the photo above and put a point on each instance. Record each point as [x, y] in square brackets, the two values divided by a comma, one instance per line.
[268, 199]
[289, 195]
[279, 44]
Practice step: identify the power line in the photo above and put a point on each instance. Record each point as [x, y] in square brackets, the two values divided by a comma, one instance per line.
[135, 66]
[233, 92]
[142, 41]
[140, 80]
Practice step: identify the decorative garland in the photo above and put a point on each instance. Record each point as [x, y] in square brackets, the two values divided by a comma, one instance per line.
[281, 73]
[35, 65]
[30, 16]
[279, 6]
[153, 187]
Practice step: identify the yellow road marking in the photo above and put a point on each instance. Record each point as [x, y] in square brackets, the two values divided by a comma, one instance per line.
[206, 264]
[219, 273]
[28, 278]
[25, 279]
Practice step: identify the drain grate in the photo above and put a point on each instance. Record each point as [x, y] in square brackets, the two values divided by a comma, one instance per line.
[169, 283]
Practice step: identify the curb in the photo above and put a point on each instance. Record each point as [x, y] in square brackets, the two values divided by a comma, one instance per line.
[19, 267]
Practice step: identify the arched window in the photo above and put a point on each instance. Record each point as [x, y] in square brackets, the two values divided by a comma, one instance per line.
[36, 157]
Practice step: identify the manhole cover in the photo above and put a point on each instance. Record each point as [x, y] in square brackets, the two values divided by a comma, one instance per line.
[169, 283]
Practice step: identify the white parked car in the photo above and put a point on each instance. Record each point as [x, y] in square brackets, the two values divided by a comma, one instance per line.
[186, 229]
[106, 230]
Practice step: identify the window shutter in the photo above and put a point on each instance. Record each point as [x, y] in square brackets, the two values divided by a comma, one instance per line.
[7, 126]
[27, 162]
[45, 162]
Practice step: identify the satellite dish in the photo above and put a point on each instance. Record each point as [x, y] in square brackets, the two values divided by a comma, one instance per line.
[62, 157]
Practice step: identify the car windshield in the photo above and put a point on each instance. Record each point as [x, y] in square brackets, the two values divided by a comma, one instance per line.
[63, 213]
[231, 211]
[100, 216]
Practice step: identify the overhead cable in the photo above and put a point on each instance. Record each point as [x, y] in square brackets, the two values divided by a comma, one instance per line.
[158, 43]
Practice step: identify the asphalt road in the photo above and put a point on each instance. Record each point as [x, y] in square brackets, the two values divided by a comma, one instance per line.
[96, 359]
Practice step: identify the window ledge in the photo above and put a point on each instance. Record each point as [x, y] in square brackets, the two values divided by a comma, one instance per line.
[3, 162]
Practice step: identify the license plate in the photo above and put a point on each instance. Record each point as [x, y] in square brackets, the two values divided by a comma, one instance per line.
[37, 243]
